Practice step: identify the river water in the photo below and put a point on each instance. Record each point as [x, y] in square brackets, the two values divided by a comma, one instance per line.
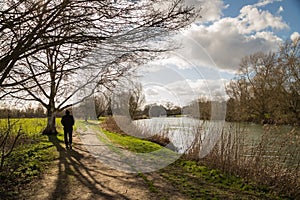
[183, 131]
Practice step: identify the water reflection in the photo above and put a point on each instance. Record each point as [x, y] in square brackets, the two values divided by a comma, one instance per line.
[183, 132]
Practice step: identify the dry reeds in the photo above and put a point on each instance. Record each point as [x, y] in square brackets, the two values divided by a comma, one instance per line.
[272, 159]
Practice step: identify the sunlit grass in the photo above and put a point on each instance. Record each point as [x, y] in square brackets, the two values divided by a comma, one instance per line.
[28, 126]
[131, 143]
[201, 182]
[32, 155]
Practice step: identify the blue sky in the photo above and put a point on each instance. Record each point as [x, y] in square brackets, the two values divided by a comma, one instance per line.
[214, 45]
[290, 13]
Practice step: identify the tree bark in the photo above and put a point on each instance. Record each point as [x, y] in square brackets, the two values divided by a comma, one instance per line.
[51, 125]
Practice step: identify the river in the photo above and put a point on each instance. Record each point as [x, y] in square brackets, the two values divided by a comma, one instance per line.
[182, 132]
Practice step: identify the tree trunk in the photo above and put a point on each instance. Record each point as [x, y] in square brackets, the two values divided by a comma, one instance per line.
[51, 125]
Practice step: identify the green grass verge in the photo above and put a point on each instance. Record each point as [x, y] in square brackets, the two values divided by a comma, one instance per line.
[32, 156]
[131, 143]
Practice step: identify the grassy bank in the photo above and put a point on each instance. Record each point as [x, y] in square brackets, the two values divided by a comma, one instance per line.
[32, 154]
[192, 178]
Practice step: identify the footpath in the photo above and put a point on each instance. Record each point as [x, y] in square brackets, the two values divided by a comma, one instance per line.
[78, 174]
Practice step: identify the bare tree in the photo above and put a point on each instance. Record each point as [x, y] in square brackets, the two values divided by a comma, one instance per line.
[58, 78]
[267, 87]
[47, 43]
[259, 79]
[136, 100]
[28, 27]
[259, 71]
[127, 99]
[102, 103]
[289, 61]
[238, 106]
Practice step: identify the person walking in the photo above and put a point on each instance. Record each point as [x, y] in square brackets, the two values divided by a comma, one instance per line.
[68, 121]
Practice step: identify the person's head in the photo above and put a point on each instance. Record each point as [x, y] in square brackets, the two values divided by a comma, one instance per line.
[67, 112]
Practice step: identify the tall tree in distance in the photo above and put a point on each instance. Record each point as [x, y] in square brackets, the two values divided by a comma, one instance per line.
[266, 90]
[289, 60]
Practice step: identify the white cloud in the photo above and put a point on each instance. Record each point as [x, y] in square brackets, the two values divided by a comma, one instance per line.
[225, 42]
[253, 19]
[210, 10]
[265, 2]
[219, 44]
[222, 45]
[280, 10]
[295, 36]
[151, 92]
[182, 92]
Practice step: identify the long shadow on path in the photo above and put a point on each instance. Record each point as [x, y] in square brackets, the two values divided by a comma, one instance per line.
[79, 177]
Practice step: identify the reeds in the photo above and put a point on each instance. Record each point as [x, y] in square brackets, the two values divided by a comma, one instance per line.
[273, 159]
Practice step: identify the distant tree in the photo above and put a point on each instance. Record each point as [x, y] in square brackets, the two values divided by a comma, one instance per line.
[199, 108]
[102, 103]
[136, 100]
[39, 111]
[256, 84]
[157, 111]
[239, 105]
[146, 110]
[260, 71]
[29, 111]
[172, 109]
[266, 89]
[128, 99]
[289, 61]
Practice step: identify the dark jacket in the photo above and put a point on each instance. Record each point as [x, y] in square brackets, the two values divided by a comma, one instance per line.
[68, 122]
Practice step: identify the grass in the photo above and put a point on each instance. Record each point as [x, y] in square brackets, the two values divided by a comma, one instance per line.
[30, 126]
[131, 143]
[127, 142]
[200, 182]
[33, 154]
[194, 180]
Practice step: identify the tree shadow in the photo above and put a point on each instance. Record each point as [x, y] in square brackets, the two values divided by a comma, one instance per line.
[70, 167]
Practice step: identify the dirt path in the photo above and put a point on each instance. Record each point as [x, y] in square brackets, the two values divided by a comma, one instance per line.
[79, 175]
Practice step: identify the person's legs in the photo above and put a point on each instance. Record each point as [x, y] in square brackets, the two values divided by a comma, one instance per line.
[66, 138]
[70, 138]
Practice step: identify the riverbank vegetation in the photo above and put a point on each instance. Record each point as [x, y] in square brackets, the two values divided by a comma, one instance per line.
[270, 160]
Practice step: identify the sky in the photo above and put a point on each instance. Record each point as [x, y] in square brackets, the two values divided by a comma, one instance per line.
[213, 46]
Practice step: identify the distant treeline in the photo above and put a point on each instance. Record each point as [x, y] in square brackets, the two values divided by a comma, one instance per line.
[267, 87]
[28, 112]
[22, 113]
